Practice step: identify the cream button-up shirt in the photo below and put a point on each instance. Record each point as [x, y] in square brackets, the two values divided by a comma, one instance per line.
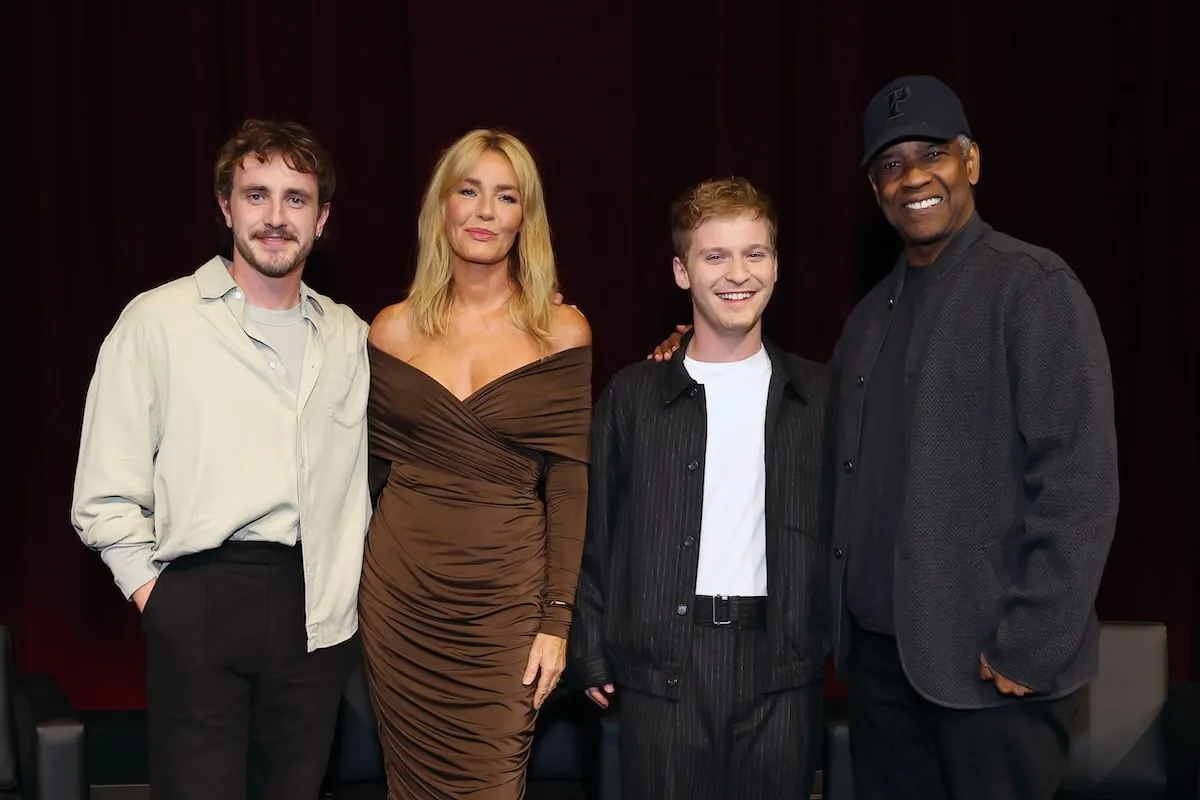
[190, 438]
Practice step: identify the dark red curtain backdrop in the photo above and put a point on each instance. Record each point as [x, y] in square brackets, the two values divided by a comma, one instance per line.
[114, 112]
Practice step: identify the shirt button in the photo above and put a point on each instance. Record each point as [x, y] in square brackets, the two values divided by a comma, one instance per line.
[673, 680]
[689, 541]
[272, 365]
[692, 391]
[837, 552]
[693, 465]
[861, 379]
[848, 467]
[238, 294]
[681, 609]
[891, 302]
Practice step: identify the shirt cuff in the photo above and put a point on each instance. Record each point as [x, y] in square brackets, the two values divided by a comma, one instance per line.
[591, 671]
[1000, 667]
[132, 566]
[555, 627]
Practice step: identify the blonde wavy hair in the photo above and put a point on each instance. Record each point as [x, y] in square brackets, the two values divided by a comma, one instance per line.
[530, 262]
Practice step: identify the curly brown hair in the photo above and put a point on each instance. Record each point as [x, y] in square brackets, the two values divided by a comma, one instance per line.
[266, 138]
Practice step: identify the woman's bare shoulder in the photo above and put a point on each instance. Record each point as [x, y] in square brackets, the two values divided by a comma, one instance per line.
[569, 328]
[391, 329]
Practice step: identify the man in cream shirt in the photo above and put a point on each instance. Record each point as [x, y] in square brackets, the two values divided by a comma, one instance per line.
[222, 476]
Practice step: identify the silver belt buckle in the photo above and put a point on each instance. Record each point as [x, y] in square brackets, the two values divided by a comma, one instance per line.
[719, 622]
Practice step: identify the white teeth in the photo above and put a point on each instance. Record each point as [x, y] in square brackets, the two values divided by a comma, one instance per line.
[928, 203]
[734, 295]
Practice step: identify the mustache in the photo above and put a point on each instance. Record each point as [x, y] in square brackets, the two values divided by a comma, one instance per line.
[282, 233]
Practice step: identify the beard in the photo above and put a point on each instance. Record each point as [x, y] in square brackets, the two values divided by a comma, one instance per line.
[276, 264]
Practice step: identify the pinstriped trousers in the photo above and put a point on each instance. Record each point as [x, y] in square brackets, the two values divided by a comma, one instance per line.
[722, 740]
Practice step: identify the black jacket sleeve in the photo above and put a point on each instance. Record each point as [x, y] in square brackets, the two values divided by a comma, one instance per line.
[588, 664]
[1061, 387]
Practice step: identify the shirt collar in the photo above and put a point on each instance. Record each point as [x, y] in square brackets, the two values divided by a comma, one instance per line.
[677, 380]
[214, 282]
[972, 232]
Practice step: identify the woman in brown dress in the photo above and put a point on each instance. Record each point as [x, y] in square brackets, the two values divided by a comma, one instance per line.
[481, 403]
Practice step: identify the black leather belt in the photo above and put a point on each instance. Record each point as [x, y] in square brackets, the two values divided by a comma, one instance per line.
[744, 613]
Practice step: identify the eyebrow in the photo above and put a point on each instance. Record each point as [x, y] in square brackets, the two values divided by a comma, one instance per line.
[719, 249]
[291, 190]
[504, 187]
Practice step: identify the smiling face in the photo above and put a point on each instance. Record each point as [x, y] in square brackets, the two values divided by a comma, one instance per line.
[730, 272]
[483, 213]
[274, 214]
[925, 191]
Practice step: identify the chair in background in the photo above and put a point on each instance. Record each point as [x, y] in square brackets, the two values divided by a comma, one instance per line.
[1136, 738]
[41, 736]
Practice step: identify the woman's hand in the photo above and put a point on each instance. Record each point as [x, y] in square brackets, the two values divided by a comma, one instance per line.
[547, 660]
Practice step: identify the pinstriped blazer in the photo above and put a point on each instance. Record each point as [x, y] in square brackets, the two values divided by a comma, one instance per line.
[633, 621]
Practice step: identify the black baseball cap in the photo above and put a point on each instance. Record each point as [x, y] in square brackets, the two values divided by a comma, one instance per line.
[912, 107]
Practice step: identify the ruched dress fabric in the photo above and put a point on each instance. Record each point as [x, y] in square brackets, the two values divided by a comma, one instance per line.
[479, 527]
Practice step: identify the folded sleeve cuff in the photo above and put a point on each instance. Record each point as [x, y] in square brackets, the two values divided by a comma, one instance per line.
[132, 566]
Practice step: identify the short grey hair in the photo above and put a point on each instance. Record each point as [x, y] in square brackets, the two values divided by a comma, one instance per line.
[964, 144]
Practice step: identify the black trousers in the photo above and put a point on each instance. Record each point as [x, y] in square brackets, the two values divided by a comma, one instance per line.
[905, 748]
[722, 740]
[237, 707]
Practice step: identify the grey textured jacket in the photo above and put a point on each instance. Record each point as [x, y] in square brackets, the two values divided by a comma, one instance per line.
[1011, 492]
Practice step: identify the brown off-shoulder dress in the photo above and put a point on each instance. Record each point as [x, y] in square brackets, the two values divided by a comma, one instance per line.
[477, 532]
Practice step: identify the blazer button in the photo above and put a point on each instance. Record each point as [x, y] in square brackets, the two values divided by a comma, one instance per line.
[681, 609]
[837, 552]
[673, 680]
[891, 302]
[848, 467]
[860, 380]
[689, 541]
[693, 465]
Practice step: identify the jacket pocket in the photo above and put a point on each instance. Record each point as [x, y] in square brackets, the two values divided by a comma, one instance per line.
[153, 601]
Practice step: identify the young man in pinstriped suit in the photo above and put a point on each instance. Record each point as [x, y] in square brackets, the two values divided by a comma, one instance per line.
[704, 588]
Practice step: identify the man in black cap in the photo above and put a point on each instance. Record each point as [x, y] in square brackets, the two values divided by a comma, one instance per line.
[977, 493]
[977, 496]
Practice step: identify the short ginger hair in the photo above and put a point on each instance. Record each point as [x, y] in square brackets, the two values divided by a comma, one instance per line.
[717, 199]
